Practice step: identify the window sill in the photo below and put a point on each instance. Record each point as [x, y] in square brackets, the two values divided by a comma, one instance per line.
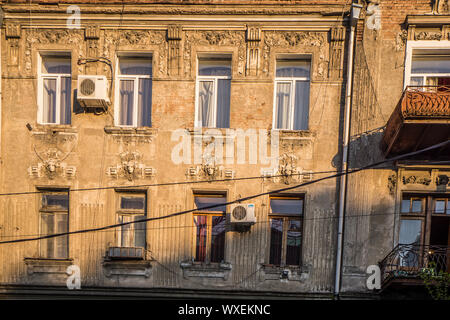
[47, 266]
[294, 134]
[55, 128]
[137, 268]
[202, 270]
[142, 131]
[285, 273]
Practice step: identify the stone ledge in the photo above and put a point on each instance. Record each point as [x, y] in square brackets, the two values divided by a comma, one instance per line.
[54, 128]
[142, 131]
[213, 270]
[140, 268]
[284, 273]
[47, 266]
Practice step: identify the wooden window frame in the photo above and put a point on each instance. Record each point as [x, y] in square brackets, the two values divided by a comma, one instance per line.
[286, 219]
[53, 211]
[209, 216]
[130, 212]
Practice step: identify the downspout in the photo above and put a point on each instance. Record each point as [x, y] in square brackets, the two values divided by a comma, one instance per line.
[354, 16]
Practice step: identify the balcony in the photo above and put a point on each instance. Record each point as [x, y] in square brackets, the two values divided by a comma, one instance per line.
[421, 119]
[405, 263]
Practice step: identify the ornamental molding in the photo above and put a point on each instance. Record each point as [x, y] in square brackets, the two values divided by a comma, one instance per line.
[392, 183]
[131, 167]
[214, 38]
[417, 179]
[425, 104]
[440, 7]
[52, 165]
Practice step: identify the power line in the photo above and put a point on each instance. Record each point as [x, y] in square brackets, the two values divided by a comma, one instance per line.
[439, 145]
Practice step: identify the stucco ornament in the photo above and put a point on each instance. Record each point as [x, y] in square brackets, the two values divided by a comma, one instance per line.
[440, 7]
[287, 167]
[131, 167]
[52, 163]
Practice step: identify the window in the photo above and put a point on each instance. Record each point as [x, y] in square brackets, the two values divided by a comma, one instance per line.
[209, 228]
[292, 94]
[55, 91]
[286, 224]
[213, 92]
[425, 221]
[132, 206]
[54, 218]
[430, 68]
[134, 91]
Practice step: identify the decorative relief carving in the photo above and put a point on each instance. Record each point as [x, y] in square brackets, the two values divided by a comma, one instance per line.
[131, 167]
[415, 179]
[443, 180]
[137, 38]
[293, 39]
[425, 35]
[440, 7]
[288, 168]
[214, 38]
[209, 170]
[392, 183]
[400, 40]
[51, 36]
[52, 165]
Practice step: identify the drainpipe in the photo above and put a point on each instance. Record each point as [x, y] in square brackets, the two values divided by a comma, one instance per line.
[354, 16]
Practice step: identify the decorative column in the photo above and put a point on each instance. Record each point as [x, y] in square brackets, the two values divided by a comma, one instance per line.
[336, 65]
[253, 38]
[92, 35]
[174, 35]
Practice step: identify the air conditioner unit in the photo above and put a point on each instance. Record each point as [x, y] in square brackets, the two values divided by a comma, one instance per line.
[242, 214]
[93, 91]
[126, 253]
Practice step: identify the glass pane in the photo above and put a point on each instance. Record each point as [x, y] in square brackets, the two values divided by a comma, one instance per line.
[286, 206]
[126, 102]
[205, 101]
[201, 238]
[135, 66]
[59, 65]
[128, 202]
[293, 243]
[293, 68]
[439, 206]
[430, 64]
[55, 201]
[202, 202]
[65, 104]
[283, 101]
[213, 67]
[49, 107]
[139, 231]
[218, 239]
[126, 232]
[417, 206]
[223, 103]
[301, 107]
[145, 103]
[62, 241]
[416, 81]
[276, 239]
[47, 227]
[406, 205]
[410, 231]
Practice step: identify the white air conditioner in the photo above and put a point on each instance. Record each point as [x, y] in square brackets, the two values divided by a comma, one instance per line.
[126, 253]
[242, 214]
[93, 91]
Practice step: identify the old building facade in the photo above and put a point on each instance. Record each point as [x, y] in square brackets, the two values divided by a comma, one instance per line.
[202, 103]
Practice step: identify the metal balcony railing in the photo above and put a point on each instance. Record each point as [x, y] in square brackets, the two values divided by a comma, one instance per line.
[408, 261]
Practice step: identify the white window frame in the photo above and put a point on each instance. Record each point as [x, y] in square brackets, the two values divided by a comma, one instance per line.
[214, 79]
[134, 78]
[52, 76]
[422, 44]
[292, 81]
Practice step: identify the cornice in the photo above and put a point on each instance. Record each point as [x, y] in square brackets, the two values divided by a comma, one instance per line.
[427, 20]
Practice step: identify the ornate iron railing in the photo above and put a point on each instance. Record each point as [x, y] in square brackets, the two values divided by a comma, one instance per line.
[426, 101]
[410, 260]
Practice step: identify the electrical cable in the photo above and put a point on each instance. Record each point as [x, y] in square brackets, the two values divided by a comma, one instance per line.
[439, 145]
